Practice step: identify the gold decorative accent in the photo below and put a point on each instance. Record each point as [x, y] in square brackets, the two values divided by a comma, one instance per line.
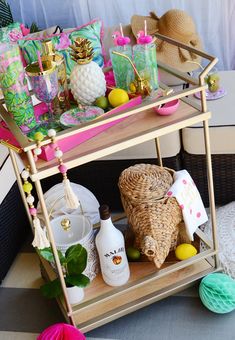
[47, 47]
[47, 65]
[66, 224]
[140, 85]
[10, 146]
[82, 51]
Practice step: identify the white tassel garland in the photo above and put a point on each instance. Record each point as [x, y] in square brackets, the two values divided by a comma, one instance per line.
[40, 240]
[71, 199]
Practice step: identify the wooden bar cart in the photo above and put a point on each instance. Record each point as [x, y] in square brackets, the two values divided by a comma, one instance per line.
[103, 303]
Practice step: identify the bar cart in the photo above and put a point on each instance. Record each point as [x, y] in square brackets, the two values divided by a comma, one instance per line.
[103, 303]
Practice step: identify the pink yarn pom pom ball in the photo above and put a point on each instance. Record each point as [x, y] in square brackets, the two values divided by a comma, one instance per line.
[61, 331]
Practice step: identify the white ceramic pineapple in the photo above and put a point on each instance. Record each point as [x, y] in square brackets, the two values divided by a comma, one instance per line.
[87, 79]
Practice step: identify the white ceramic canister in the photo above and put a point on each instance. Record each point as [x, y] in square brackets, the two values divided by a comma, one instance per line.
[80, 231]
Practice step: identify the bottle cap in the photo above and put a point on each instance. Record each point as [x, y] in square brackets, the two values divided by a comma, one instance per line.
[104, 212]
[47, 47]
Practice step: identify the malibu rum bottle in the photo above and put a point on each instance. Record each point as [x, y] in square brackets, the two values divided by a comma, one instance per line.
[111, 249]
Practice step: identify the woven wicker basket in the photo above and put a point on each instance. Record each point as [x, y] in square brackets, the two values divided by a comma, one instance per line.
[153, 216]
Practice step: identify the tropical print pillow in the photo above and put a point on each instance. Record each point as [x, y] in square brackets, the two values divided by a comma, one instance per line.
[92, 31]
[11, 33]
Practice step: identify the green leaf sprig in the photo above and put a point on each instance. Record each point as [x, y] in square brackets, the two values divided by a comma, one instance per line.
[74, 262]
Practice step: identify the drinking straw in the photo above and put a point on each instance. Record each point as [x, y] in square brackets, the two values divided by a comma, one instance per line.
[39, 61]
[121, 30]
[145, 27]
[145, 32]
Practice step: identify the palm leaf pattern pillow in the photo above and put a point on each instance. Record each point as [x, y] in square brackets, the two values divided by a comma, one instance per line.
[92, 31]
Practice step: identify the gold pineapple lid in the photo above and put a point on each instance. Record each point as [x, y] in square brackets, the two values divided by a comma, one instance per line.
[82, 51]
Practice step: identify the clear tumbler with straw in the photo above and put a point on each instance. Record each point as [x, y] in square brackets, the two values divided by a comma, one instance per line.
[123, 71]
[145, 58]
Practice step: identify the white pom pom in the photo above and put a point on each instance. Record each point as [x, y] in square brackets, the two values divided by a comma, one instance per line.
[37, 151]
[58, 153]
[25, 174]
[51, 133]
[30, 199]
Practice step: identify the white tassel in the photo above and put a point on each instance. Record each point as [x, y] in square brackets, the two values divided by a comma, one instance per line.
[40, 240]
[71, 199]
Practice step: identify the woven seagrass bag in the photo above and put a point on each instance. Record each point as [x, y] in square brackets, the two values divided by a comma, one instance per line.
[153, 216]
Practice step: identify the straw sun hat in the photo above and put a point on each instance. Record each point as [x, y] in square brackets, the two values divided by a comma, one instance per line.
[175, 24]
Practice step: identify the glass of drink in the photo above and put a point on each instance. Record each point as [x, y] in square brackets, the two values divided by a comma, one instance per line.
[44, 82]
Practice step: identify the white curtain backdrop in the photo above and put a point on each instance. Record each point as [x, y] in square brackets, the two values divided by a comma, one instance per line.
[214, 18]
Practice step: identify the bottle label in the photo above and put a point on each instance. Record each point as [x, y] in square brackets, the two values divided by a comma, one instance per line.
[114, 264]
[115, 256]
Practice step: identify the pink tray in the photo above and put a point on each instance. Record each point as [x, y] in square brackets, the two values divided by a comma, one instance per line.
[69, 143]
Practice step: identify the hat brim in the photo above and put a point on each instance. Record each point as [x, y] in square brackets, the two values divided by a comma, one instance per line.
[137, 24]
[170, 55]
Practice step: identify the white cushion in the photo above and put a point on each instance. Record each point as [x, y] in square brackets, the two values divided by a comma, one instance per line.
[222, 123]
[169, 144]
[3, 154]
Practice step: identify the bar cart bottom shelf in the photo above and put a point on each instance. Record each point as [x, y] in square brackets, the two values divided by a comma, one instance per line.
[103, 304]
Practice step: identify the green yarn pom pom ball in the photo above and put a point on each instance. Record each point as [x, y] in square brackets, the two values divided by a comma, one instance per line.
[217, 293]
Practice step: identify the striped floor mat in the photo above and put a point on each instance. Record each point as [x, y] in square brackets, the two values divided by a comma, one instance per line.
[24, 313]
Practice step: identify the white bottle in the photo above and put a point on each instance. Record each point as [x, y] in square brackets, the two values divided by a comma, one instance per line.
[111, 249]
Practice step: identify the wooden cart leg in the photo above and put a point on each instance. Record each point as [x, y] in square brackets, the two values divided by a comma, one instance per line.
[158, 149]
[51, 237]
[20, 185]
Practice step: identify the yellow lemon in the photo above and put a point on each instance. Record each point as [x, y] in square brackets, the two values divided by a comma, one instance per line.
[185, 251]
[118, 97]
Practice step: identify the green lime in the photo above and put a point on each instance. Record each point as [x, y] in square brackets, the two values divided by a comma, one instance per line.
[102, 102]
[133, 254]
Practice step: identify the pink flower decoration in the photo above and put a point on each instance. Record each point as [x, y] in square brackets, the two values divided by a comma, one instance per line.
[182, 206]
[109, 76]
[15, 35]
[198, 215]
[25, 31]
[169, 193]
[184, 181]
[64, 42]
[61, 331]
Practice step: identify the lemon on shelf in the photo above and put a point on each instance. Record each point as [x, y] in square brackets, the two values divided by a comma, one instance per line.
[184, 251]
[118, 97]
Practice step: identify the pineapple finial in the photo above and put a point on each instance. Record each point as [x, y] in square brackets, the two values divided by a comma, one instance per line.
[82, 51]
